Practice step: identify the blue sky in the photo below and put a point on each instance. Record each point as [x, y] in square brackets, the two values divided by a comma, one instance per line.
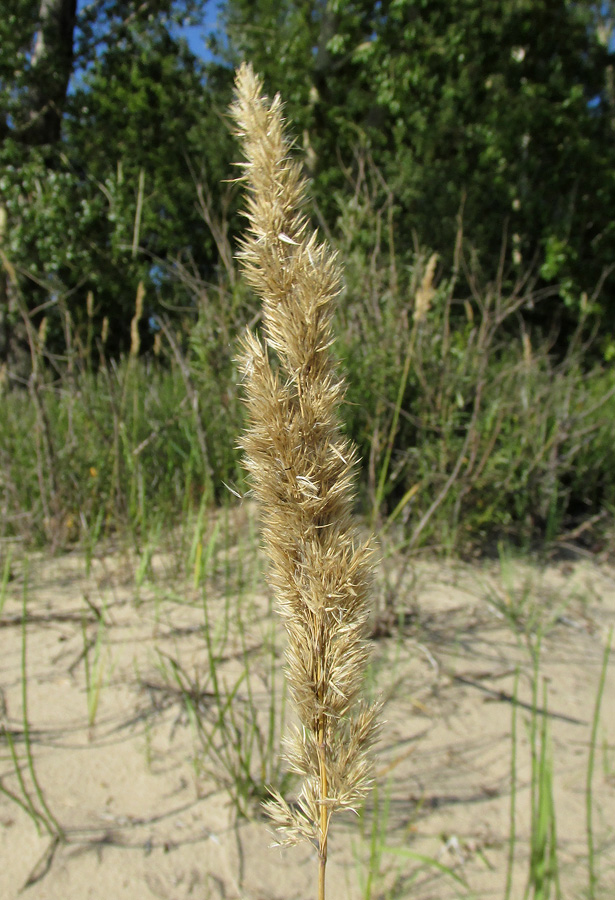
[196, 35]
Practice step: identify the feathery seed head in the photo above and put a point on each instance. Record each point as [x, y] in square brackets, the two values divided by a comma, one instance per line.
[426, 291]
[301, 469]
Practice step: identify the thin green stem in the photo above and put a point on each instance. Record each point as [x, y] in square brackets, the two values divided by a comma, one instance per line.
[27, 805]
[384, 469]
[590, 771]
[6, 574]
[324, 810]
[534, 787]
[52, 823]
[513, 791]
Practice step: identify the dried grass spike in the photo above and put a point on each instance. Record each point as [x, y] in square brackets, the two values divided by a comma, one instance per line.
[426, 291]
[301, 470]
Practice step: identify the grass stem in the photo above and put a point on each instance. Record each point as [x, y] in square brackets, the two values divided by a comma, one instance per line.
[591, 862]
[513, 791]
[49, 820]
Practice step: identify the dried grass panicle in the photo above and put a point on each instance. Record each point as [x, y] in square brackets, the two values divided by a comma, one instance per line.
[426, 291]
[301, 470]
[135, 339]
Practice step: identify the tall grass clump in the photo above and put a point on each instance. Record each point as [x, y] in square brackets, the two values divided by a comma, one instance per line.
[91, 444]
[301, 470]
[477, 423]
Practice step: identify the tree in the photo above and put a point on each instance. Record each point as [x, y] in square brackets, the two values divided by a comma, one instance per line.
[109, 118]
[37, 63]
[502, 107]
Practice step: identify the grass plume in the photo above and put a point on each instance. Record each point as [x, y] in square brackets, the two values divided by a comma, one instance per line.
[301, 470]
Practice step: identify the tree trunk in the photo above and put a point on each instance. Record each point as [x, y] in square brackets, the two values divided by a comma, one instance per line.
[51, 68]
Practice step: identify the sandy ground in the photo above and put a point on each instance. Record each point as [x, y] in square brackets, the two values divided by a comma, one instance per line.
[143, 794]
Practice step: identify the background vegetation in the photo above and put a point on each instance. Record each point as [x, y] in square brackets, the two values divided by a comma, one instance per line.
[463, 163]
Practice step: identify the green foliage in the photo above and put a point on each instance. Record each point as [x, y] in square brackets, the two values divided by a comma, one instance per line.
[503, 109]
[108, 201]
[469, 429]
[127, 443]
[150, 97]
[492, 433]
[490, 416]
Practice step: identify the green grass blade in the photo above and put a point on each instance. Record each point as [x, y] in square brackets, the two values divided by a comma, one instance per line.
[51, 823]
[27, 805]
[6, 574]
[591, 862]
[513, 791]
[428, 861]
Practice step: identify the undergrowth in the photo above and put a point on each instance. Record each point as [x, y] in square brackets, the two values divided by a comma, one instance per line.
[472, 427]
